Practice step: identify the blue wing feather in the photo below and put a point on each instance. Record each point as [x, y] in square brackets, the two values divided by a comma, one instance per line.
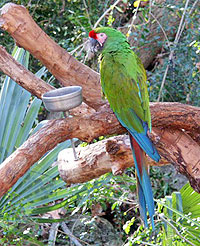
[142, 139]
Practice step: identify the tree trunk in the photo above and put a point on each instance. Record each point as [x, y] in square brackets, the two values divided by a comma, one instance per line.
[161, 23]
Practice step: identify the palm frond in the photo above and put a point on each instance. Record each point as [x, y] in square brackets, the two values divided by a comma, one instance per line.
[181, 217]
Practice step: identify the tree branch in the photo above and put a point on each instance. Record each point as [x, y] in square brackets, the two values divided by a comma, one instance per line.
[176, 146]
[114, 154]
[86, 127]
[21, 75]
[176, 115]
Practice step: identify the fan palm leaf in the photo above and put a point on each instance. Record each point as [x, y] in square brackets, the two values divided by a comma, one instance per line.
[181, 217]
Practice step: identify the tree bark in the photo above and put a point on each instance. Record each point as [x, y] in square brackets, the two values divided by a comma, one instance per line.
[179, 116]
[21, 75]
[86, 127]
[109, 155]
[176, 146]
[115, 155]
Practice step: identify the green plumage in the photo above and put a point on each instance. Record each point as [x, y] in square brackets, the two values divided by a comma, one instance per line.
[123, 80]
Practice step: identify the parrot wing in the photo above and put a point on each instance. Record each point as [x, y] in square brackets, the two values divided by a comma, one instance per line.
[123, 80]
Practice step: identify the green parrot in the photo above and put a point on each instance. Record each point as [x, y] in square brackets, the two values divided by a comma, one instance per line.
[123, 81]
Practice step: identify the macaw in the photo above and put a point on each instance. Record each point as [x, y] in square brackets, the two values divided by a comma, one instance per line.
[123, 82]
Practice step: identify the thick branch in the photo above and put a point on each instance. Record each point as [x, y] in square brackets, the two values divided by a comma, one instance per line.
[21, 75]
[176, 115]
[16, 20]
[182, 151]
[85, 127]
[114, 154]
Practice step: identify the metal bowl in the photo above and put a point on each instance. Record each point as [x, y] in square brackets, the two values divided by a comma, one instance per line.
[63, 99]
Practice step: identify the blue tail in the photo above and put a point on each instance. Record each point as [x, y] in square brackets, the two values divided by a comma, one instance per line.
[145, 194]
[141, 143]
[145, 143]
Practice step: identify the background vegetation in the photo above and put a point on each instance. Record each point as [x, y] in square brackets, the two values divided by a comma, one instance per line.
[102, 211]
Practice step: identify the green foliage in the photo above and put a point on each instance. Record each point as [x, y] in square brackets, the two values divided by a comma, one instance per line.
[182, 81]
[12, 235]
[181, 217]
[127, 226]
[162, 182]
[40, 185]
[18, 110]
[177, 221]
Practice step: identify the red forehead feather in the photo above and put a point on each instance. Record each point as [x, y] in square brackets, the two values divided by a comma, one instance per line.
[92, 34]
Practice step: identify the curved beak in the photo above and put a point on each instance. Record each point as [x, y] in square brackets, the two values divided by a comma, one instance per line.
[94, 45]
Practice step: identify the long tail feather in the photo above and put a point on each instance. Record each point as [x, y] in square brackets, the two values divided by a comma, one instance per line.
[145, 194]
[142, 202]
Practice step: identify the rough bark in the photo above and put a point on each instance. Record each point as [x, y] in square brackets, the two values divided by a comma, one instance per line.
[109, 155]
[86, 127]
[176, 115]
[21, 75]
[181, 150]
[115, 155]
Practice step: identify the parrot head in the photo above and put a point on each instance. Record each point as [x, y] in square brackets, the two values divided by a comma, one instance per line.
[97, 39]
[103, 38]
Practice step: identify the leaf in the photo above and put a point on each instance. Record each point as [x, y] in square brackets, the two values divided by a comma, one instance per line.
[128, 225]
[182, 210]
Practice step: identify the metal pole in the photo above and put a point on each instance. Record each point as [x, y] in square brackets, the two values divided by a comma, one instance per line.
[66, 114]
